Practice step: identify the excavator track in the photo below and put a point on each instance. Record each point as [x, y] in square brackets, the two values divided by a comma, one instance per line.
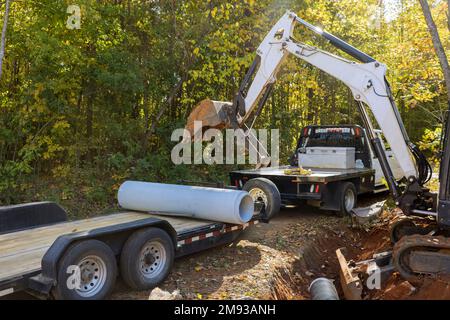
[408, 226]
[418, 256]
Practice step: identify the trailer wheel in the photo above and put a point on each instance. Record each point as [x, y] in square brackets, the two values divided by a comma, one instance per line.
[348, 198]
[86, 271]
[147, 258]
[264, 191]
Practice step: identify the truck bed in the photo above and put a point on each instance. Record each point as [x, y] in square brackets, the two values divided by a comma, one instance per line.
[317, 176]
[21, 252]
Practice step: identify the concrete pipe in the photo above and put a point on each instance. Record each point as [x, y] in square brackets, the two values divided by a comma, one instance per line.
[323, 289]
[223, 205]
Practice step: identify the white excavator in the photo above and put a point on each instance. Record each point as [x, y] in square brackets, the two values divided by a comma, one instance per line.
[422, 238]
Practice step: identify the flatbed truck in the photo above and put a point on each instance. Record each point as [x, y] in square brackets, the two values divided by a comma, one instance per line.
[329, 188]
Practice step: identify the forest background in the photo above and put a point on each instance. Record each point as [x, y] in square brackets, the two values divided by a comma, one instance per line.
[83, 109]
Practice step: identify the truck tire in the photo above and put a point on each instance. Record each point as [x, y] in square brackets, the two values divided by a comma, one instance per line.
[263, 190]
[348, 199]
[86, 271]
[147, 258]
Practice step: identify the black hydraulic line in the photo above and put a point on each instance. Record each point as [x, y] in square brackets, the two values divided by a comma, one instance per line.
[264, 99]
[347, 48]
[424, 169]
[239, 100]
[379, 152]
[338, 43]
[397, 113]
[444, 174]
[250, 73]
[385, 167]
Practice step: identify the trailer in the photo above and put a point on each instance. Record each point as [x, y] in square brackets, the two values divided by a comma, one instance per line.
[43, 253]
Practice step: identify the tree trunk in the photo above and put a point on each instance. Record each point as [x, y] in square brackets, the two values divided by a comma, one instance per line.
[448, 15]
[146, 108]
[3, 40]
[90, 112]
[310, 95]
[438, 47]
[90, 97]
[166, 104]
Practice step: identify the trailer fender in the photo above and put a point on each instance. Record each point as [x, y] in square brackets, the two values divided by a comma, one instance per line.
[115, 236]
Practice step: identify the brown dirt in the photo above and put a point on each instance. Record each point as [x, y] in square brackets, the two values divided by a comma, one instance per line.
[205, 112]
[397, 288]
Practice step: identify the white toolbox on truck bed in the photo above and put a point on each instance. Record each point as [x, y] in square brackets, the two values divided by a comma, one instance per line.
[327, 157]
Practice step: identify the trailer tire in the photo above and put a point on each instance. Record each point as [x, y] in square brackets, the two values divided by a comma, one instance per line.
[97, 271]
[147, 258]
[262, 189]
[348, 199]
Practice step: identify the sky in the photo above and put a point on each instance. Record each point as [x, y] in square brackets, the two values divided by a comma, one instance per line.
[391, 9]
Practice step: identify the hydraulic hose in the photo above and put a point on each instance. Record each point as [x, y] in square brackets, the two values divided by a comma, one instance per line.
[423, 166]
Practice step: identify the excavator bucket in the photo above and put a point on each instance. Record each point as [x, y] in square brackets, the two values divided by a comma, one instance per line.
[212, 114]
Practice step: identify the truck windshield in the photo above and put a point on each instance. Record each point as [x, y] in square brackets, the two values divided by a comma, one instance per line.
[332, 137]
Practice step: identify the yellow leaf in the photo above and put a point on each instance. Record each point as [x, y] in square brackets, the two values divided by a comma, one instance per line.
[213, 12]
[198, 268]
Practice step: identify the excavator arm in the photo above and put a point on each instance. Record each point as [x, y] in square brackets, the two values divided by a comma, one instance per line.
[366, 80]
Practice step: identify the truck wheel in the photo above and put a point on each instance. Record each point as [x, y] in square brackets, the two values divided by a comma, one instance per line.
[147, 258]
[264, 191]
[86, 271]
[348, 198]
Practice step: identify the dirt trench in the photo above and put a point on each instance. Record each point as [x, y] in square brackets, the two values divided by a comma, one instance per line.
[317, 258]
[279, 260]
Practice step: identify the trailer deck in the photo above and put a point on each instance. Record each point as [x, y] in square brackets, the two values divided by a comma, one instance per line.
[21, 252]
[317, 175]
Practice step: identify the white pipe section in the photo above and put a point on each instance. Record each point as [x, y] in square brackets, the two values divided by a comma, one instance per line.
[223, 205]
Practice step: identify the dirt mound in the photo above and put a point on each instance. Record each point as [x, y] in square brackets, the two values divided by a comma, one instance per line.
[285, 285]
[434, 289]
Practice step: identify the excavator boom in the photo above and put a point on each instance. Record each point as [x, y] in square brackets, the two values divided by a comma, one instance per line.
[366, 80]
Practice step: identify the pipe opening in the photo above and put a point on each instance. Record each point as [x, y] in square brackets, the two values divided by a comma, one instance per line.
[246, 208]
